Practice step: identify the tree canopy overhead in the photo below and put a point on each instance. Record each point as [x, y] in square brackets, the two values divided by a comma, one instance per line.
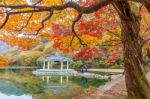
[31, 17]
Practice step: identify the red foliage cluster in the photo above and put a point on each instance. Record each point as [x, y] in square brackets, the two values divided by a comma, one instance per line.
[111, 58]
[61, 29]
[92, 28]
[88, 53]
[102, 21]
[144, 10]
[92, 25]
[57, 43]
[114, 56]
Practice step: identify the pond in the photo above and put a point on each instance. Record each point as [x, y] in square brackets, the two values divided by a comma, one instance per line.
[22, 84]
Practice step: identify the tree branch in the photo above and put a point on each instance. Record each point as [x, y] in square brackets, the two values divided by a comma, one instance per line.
[146, 40]
[6, 11]
[28, 11]
[85, 10]
[148, 6]
[73, 29]
[146, 62]
[5, 21]
[44, 20]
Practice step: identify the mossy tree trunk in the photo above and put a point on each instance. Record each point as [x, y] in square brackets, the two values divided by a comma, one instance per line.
[136, 82]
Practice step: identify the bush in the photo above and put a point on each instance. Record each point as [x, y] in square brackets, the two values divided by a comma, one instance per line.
[3, 61]
[76, 65]
[26, 58]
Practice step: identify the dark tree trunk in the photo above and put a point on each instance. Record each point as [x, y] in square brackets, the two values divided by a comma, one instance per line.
[136, 82]
[147, 6]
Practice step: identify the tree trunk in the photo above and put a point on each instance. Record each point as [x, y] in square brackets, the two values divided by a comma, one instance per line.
[136, 82]
[148, 6]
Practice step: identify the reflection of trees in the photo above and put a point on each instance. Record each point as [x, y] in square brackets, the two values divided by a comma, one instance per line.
[58, 87]
[9, 88]
[87, 82]
[23, 81]
[31, 88]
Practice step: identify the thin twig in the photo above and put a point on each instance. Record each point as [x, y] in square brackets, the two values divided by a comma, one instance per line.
[44, 20]
[5, 21]
[73, 29]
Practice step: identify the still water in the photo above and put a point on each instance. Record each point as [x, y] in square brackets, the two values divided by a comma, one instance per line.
[22, 84]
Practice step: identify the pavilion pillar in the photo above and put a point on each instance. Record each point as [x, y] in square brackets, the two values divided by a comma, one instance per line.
[44, 65]
[47, 79]
[67, 65]
[51, 64]
[67, 78]
[61, 79]
[61, 65]
[43, 78]
[48, 64]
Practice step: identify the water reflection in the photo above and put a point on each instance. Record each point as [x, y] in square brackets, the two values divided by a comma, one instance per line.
[59, 83]
[84, 80]
[24, 85]
[3, 96]
[9, 90]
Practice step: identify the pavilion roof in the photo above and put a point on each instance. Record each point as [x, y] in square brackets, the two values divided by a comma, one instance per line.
[55, 58]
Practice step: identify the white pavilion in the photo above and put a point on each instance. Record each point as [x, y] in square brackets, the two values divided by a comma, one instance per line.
[49, 68]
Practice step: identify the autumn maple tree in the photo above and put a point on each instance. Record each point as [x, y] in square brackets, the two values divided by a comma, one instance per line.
[23, 43]
[98, 31]
[3, 61]
[36, 16]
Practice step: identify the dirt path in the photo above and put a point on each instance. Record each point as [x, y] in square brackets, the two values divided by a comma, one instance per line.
[112, 90]
[107, 70]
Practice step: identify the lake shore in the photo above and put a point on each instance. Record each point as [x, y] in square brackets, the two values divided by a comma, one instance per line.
[114, 89]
